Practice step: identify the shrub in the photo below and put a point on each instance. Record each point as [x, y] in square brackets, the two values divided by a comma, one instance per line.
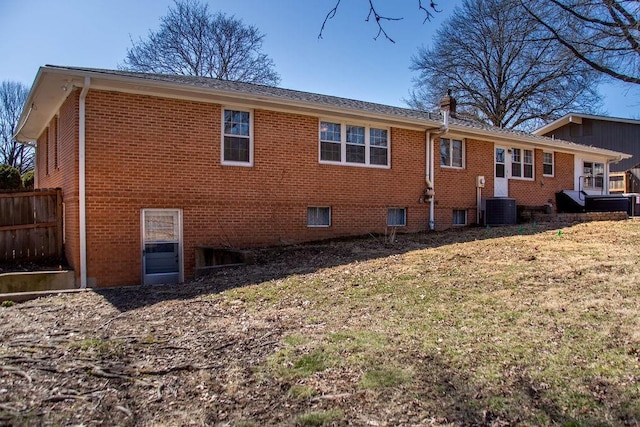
[28, 179]
[9, 178]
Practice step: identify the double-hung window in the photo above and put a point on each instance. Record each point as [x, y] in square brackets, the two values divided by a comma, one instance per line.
[521, 163]
[379, 152]
[356, 148]
[547, 164]
[237, 139]
[330, 142]
[451, 153]
[353, 144]
[593, 174]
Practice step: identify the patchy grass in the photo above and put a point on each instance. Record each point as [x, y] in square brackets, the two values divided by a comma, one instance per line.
[301, 391]
[536, 328]
[99, 347]
[526, 325]
[319, 418]
[384, 377]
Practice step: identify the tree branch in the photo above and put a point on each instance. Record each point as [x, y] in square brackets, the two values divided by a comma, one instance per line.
[427, 12]
[378, 18]
[330, 15]
[577, 53]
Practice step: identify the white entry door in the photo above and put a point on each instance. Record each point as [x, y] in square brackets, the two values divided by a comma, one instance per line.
[161, 246]
[501, 174]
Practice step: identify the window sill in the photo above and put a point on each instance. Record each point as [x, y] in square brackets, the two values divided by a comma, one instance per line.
[357, 165]
[241, 164]
[459, 168]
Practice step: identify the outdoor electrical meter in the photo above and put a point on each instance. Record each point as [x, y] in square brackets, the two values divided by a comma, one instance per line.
[480, 181]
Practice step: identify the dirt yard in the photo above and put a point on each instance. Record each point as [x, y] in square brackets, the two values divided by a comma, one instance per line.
[533, 325]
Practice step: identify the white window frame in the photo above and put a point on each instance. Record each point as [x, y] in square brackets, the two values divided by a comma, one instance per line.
[343, 143]
[319, 225]
[404, 210]
[466, 217]
[553, 163]
[223, 135]
[593, 177]
[522, 163]
[464, 152]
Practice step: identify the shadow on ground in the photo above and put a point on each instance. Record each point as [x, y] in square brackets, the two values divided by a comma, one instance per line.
[279, 262]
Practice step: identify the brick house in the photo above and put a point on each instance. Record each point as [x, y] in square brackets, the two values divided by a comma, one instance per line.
[154, 166]
[612, 133]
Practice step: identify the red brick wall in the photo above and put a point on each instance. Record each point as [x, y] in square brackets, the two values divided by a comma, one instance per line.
[65, 176]
[147, 152]
[456, 188]
[544, 188]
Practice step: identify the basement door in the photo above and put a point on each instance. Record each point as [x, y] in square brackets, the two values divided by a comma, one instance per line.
[161, 246]
[501, 177]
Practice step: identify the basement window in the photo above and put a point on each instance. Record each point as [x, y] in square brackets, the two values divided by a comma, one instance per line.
[397, 217]
[459, 217]
[318, 216]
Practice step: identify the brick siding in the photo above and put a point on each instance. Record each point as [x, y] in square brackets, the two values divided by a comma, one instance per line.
[65, 176]
[149, 152]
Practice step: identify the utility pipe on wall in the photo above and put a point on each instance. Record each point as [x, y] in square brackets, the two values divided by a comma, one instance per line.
[430, 180]
[429, 172]
[82, 183]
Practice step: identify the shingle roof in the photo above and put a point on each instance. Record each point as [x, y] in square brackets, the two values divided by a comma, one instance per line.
[270, 91]
[430, 119]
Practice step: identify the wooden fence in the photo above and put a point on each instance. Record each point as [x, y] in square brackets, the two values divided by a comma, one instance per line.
[31, 225]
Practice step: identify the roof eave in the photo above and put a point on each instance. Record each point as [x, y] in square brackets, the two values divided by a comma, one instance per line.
[216, 95]
[52, 86]
[577, 118]
[536, 141]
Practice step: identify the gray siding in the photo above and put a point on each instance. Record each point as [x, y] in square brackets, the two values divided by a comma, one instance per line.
[623, 137]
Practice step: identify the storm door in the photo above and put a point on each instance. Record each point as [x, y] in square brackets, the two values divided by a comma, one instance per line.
[501, 177]
[161, 246]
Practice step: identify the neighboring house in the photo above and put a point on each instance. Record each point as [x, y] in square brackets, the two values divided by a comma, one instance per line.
[605, 132]
[154, 166]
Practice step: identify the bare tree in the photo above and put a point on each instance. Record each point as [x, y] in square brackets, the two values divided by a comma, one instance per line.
[379, 19]
[604, 34]
[502, 70]
[192, 41]
[12, 98]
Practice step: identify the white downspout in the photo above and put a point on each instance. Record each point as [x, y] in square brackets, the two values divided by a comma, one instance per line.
[432, 207]
[430, 181]
[607, 172]
[429, 172]
[82, 183]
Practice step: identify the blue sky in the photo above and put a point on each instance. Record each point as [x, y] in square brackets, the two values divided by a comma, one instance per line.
[346, 62]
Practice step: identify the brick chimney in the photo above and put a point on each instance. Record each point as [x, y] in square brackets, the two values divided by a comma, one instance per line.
[448, 104]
